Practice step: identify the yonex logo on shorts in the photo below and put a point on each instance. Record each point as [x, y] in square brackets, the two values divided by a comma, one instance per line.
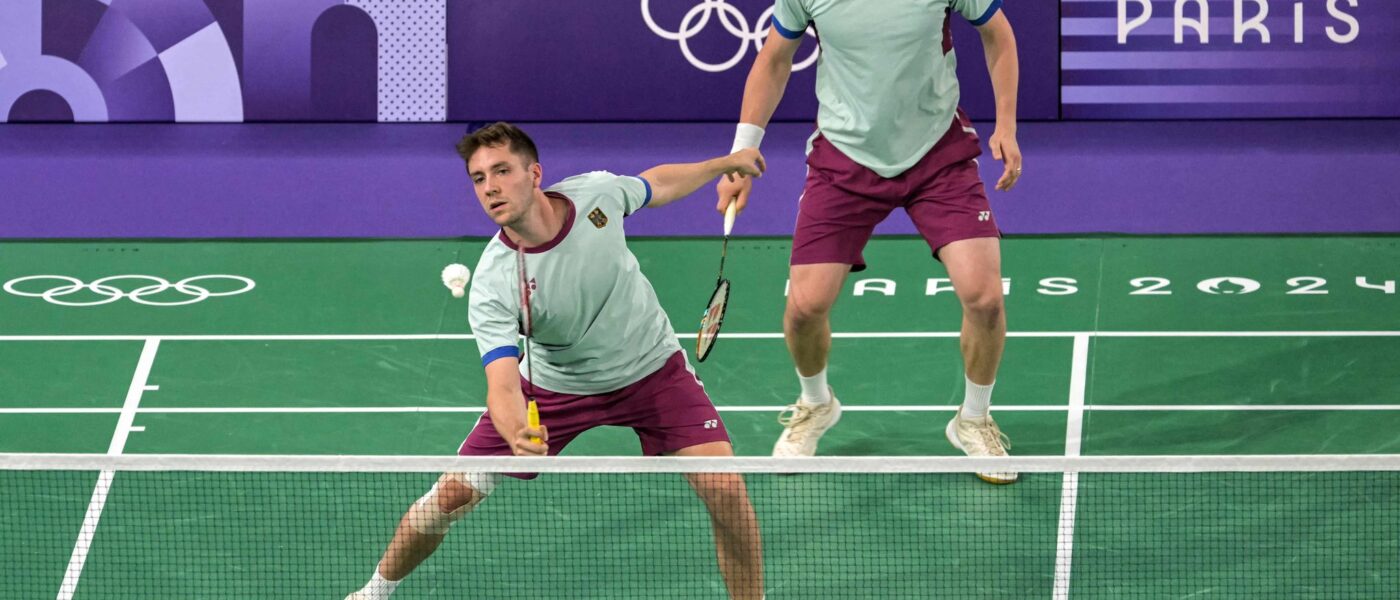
[712, 424]
[985, 215]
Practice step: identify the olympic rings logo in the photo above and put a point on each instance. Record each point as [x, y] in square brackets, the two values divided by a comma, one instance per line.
[102, 286]
[733, 21]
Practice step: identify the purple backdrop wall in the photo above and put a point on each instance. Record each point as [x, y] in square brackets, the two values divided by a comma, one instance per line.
[649, 60]
[214, 60]
[589, 60]
[664, 60]
[1227, 59]
[375, 180]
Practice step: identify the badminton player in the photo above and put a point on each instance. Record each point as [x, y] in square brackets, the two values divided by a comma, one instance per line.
[602, 351]
[889, 135]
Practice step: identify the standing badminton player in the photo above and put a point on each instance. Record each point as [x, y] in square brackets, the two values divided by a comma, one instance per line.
[889, 135]
[602, 351]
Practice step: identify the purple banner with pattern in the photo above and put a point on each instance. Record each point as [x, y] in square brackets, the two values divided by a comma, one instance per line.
[659, 60]
[222, 60]
[677, 60]
[1128, 59]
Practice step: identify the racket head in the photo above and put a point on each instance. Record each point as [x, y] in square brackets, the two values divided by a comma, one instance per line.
[712, 320]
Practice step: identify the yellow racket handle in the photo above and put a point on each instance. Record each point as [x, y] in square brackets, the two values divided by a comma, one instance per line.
[532, 417]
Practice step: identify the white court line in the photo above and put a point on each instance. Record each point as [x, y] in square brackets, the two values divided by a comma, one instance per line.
[58, 411]
[340, 463]
[478, 409]
[241, 338]
[691, 334]
[1069, 490]
[1231, 334]
[104, 479]
[456, 409]
[1078, 380]
[1223, 407]
[775, 408]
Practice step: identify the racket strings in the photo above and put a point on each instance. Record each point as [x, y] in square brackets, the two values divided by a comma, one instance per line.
[712, 320]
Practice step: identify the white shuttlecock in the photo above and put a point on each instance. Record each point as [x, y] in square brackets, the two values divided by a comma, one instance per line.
[455, 277]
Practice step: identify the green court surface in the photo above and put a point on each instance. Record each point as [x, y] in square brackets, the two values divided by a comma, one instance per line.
[1118, 346]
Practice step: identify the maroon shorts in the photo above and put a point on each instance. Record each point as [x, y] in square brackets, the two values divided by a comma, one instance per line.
[843, 201]
[668, 409]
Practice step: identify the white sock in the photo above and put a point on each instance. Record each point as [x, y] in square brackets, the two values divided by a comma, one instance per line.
[378, 587]
[814, 390]
[977, 401]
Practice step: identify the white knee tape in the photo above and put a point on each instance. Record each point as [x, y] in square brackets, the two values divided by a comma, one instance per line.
[426, 515]
[483, 483]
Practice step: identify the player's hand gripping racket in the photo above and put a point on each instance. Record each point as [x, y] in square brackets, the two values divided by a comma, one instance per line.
[713, 318]
[532, 417]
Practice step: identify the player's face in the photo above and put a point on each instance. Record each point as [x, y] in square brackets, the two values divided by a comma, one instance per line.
[505, 185]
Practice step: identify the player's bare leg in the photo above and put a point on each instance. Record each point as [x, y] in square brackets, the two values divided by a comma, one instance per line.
[738, 543]
[419, 533]
[410, 547]
[974, 266]
[812, 292]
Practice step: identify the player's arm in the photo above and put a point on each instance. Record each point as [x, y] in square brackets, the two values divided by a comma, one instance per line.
[999, 44]
[675, 181]
[505, 402]
[764, 89]
[768, 79]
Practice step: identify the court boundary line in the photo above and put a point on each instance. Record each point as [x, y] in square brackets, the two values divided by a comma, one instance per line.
[345, 463]
[688, 335]
[93, 515]
[773, 409]
[1069, 487]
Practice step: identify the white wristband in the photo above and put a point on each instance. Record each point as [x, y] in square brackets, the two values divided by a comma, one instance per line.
[746, 135]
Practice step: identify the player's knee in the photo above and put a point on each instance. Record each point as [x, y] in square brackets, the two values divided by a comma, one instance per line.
[720, 489]
[805, 310]
[453, 494]
[985, 306]
[451, 498]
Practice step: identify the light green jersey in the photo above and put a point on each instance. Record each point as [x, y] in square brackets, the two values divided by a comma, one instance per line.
[597, 325]
[887, 78]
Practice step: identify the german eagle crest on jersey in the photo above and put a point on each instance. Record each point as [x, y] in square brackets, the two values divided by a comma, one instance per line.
[599, 219]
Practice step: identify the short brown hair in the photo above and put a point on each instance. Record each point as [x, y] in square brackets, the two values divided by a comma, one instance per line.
[496, 134]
